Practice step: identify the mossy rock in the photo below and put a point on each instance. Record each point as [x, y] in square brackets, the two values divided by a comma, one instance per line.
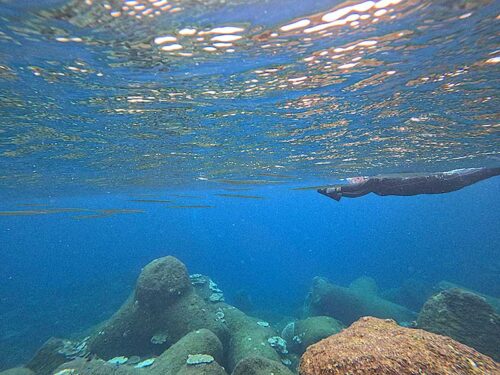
[48, 357]
[202, 369]
[164, 304]
[174, 358]
[81, 366]
[465, 317]
[309, 331]
[161, 282]
[260, 366]
[349, 304]
[247, 338]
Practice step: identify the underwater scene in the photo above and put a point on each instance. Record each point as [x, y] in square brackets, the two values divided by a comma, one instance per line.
[249, 187]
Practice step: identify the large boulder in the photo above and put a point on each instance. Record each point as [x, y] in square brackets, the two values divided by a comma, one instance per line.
[161, 283]
[303, 333]
[444, 285]
[464, 316]
[260, 366]
[349, 304]
[174, 358]
[163, 308]
[374, 346]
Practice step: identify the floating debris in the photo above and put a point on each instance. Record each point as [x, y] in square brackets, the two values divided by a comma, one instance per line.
[198, 359]
[118, 360]
[146, 363]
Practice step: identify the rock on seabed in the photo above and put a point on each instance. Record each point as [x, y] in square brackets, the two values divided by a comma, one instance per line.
[374, 346]
[465, 317]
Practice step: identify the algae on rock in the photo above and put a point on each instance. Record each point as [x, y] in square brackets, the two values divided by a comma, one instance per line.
[174, 358]
[165, 302]
[465, 317]
[247, 337]
[303, 333]
[212, 368]
[260, 366]
[349, 304]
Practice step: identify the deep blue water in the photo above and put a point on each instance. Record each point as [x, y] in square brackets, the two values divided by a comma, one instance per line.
[61, 275]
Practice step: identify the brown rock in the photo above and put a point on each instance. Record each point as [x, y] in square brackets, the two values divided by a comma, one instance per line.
[374, 346]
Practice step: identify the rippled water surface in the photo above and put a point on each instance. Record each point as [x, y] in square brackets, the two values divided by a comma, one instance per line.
[119, 94]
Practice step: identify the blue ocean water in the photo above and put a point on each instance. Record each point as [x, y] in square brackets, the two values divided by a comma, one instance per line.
[132, 130]
[62, 275]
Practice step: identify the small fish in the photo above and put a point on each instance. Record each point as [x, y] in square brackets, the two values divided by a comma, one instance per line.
[66, 209]
[95, 216]
[150, 200]
[277, 175]
[115, 211]
[237, 188]
[107, 213]
[240, 196]
[197, 206]
[249, 182]
[32, 205]
[23, 213]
